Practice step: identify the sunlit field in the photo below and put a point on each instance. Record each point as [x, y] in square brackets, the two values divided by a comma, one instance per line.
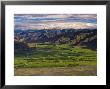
[58, 56]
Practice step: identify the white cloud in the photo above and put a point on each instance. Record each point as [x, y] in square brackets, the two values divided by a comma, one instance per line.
[36, 16]
[60, 25]
[54, 22]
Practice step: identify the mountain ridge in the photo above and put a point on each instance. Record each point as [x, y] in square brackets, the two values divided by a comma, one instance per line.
[81, 37]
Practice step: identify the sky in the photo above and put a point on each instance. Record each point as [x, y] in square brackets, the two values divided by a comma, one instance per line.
[55, 21]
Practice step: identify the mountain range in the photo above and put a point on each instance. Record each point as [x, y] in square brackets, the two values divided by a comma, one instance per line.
[74, 37]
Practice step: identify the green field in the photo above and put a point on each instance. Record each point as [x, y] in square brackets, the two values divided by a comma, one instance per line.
[56, 56]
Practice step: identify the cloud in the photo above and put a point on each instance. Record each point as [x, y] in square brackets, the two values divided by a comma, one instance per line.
[85, 16]
[60, 25]
[50, 21]
[55, 16]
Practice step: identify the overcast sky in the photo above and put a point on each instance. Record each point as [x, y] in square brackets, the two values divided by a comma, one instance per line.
[55, 21]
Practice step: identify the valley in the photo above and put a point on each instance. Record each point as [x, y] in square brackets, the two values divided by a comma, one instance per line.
[56, 50]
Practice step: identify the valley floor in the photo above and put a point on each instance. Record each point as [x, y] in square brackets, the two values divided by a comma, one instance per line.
[56, 60]
[59, 71]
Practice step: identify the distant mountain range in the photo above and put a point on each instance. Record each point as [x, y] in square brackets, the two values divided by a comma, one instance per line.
[81, 37]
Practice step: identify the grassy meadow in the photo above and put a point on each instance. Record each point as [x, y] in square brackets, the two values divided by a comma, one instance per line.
[45, 57]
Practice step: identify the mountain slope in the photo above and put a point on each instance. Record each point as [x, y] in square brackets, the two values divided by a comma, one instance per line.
[74, 37]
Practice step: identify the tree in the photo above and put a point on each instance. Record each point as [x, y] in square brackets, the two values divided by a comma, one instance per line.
[64, 40]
